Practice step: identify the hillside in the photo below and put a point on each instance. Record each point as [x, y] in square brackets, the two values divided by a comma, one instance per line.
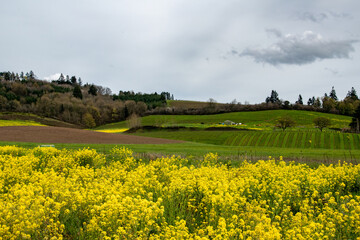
[257, 130]
[188, 104]
[258, 139]
[258, 120]
[71, 101]
[27, 119]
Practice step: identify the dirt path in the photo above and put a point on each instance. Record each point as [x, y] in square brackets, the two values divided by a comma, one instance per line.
[69, 135]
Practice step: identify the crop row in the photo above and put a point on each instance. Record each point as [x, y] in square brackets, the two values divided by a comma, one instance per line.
[311, 139]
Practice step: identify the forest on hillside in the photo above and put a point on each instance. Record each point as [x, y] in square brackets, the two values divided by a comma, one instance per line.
[67, 99]
[88, 105]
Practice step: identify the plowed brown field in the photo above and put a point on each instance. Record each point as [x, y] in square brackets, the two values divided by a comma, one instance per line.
[70, 135]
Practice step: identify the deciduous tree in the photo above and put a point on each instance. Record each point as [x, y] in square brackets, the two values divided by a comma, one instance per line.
[88, 120]
[322, 122]
[285, 122]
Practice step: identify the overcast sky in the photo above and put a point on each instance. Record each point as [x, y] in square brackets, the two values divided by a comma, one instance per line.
[225, 50]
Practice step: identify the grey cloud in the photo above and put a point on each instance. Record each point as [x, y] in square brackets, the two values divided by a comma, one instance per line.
[332, 71]
[307, 16]
[274, 32]
[320, 17]
[300, 49]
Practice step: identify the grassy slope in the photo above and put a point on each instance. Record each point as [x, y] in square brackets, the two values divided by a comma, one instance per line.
[186, 104]
[293, 144]
[13, 118]
[4, 123]
[287, 139]
[210, 141]
[197, 150]
[259, 119]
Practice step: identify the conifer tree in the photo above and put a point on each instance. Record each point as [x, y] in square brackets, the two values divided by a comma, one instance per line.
[333, 94]
[77, 92]
[92, 90]
[274, 97]
[352, 94]
[300, 100]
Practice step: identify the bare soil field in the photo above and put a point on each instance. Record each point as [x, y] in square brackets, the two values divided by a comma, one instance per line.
[69, 135]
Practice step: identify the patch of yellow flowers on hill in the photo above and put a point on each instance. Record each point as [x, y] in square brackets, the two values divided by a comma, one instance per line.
[6, 123]
[113, 130]
[47, 193]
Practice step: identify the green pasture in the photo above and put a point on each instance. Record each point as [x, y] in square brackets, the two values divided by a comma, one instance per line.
[186, 104]
[302, 143]
[281, 139]
[257, 120]
[195, 151]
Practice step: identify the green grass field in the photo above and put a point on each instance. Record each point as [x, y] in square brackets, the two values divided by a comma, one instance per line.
[185, 104]
[260, 120]
[287, 139]
[302, 143]
[195, 151]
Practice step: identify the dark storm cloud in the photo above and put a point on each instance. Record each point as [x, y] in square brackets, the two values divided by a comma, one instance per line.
[300, 49]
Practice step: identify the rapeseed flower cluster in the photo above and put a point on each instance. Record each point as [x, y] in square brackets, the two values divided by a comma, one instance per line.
[113, 130]
[47, 193]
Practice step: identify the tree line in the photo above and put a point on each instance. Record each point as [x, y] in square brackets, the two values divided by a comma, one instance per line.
[89, 105]
[153, 100]
[67, 99]
[329, 103]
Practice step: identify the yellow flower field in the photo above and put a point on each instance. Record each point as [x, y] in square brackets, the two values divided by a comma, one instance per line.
[61, 194]
[4, 123]
[113, 130]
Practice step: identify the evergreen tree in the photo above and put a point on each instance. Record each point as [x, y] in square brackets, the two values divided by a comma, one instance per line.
[333, 94]
[7, 76]
[311, 101]
[317, 102]
[32, 75]
[274, 97]
[352, 94]
[77, 92]
[92, 90]
[300, 100]
[61, 78]
[73, 80]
